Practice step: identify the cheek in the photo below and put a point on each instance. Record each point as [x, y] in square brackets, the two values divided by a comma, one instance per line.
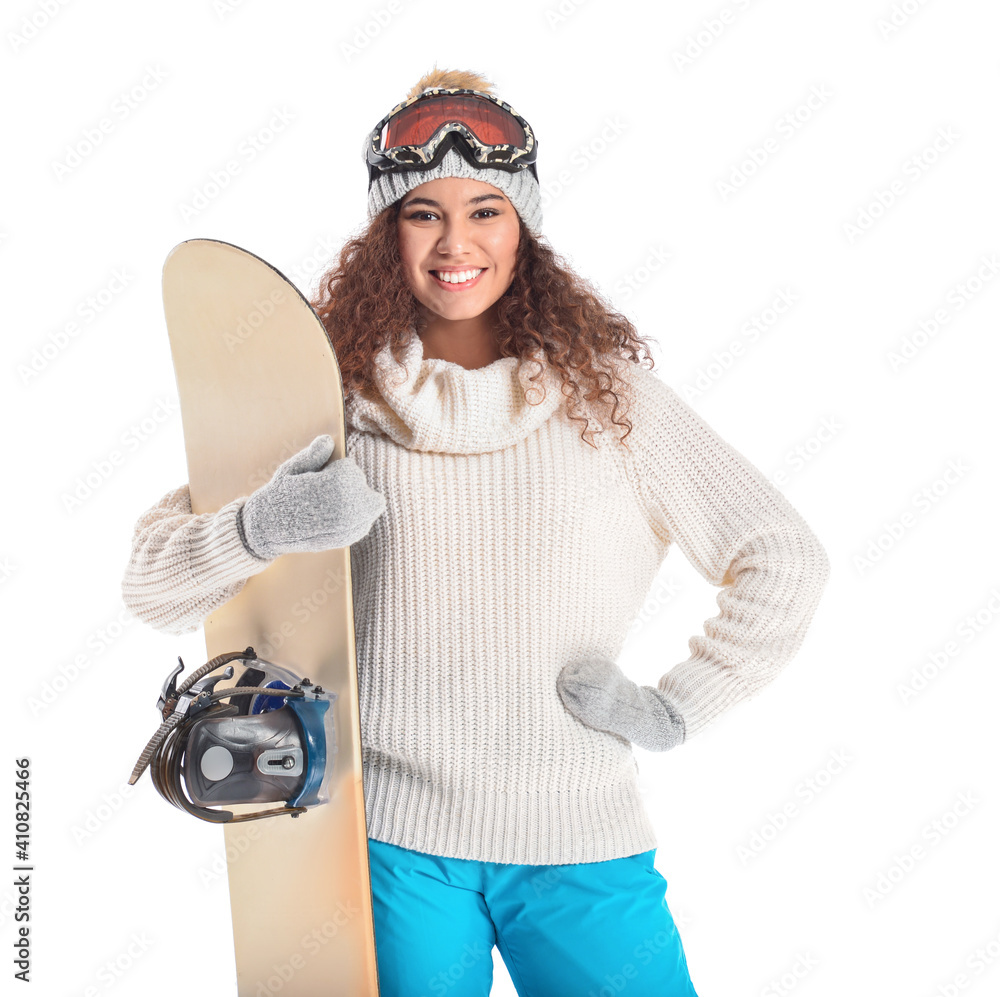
[405, 247]
[410, 261]
[505, 252]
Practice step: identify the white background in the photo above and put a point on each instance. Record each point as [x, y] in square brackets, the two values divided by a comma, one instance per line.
[647, 113]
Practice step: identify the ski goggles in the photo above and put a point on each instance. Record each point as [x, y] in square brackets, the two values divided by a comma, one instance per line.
[416, 134]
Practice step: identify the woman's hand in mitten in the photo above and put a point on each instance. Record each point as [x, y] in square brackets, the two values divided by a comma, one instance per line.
[308, 507]
[596, 691]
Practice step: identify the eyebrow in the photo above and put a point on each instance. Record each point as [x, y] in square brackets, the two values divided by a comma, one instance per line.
[472, 200]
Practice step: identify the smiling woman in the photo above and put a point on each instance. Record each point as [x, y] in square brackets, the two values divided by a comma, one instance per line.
[494, 594]
[435, 213]
[458, 242]
[500, 551]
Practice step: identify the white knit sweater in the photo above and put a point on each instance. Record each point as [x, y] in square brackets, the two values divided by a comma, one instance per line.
[508, 548]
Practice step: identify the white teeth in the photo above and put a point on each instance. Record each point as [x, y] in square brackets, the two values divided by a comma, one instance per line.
[457, 276]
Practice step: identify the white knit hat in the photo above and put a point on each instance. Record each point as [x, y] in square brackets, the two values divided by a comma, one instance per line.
[521, 188]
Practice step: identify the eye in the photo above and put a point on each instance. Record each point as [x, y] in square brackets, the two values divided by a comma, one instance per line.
[491, 212]
[418, 214]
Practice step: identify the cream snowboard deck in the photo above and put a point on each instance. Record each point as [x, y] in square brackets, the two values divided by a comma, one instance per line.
[258, 381]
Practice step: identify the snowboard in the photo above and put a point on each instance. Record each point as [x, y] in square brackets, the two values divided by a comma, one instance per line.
[258, 380]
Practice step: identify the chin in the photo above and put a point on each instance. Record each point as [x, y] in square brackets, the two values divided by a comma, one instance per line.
[457, 311]
[459, 314]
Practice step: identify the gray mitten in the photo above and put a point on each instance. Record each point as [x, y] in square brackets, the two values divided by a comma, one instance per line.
[308, 507]
[596, 691]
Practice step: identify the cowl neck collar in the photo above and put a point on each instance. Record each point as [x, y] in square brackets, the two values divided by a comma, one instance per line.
[438, 405]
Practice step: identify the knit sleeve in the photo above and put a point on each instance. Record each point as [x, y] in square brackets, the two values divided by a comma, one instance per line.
[740, 533]
[184, 566]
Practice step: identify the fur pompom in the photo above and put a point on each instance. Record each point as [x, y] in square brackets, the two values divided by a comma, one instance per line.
[450, 79]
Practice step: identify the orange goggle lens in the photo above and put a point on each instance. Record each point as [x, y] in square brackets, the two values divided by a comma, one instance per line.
[417, 122]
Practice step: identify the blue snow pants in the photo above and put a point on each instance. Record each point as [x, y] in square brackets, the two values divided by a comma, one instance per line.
[592, 929]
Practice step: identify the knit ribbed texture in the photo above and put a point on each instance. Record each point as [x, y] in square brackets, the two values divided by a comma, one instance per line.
[508, 548]
[521, 187]
[435, 405]
[183, 566]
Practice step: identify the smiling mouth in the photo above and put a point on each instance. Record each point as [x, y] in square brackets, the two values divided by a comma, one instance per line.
[453, 277]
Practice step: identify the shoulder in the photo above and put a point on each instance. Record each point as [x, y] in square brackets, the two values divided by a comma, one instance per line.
[674, 446]
[647, 385]
[649, 388]
[658, 413]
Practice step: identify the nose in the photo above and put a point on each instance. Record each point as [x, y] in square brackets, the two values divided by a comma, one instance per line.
[454, 237]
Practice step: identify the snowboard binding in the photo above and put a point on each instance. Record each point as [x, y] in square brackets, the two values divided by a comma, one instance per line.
[274, 740]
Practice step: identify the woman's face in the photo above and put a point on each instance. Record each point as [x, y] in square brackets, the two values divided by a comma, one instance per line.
[452, 225]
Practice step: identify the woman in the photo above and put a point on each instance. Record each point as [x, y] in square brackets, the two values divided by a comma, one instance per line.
[503, 539]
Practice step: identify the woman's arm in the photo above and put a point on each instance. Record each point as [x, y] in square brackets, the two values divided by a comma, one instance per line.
[742, 534]
[183, 566]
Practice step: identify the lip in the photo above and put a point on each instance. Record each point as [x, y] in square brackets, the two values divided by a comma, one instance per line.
[445, 286]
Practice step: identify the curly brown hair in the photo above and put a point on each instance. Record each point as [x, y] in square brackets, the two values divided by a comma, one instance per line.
[364, 303]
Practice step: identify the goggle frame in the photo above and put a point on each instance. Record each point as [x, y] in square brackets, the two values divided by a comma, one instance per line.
[425, 156]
